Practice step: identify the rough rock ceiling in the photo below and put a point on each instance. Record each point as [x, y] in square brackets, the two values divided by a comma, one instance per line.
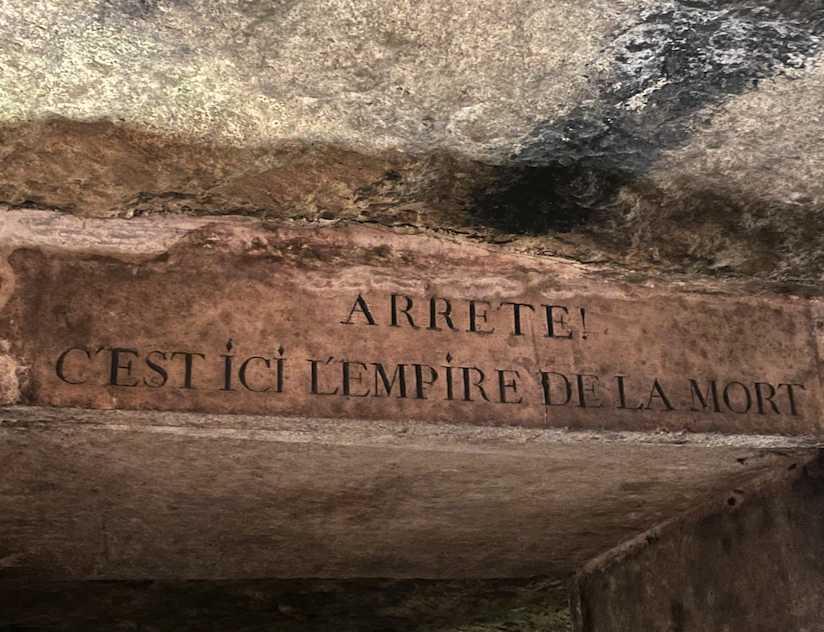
[675, 136]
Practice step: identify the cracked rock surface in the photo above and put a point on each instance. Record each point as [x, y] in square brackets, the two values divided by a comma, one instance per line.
[674, 136]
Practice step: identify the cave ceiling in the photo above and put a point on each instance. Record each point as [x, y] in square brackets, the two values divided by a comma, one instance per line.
[677, 137]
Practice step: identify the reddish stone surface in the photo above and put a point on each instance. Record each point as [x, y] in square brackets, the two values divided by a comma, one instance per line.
[102, 494]
[752, 561]
[236, 318]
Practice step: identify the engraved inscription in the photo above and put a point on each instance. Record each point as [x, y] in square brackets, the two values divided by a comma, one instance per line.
[310, 326]
[265, 372]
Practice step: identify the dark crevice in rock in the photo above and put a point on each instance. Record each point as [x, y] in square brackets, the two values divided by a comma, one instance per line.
[660, 74]
[580, 210]
[552, 198]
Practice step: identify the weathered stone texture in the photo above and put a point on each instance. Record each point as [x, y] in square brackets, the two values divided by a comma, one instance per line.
[148, 495]
[365, 323]
[472, 75]
[9, 381]
[674, 136]
[103, 169]
[755, 563]
[299, 605]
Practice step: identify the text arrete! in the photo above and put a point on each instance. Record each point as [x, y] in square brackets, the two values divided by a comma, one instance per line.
[335, 377]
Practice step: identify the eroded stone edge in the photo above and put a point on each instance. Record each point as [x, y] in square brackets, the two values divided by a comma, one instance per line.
[769, 481]
[380, 432]
[154, 235]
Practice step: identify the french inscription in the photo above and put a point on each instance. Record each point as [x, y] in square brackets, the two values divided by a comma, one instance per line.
[264, 372]
[442, 314]
[534, 344]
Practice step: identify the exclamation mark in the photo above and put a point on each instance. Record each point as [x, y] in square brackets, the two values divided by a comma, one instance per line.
[584, 321]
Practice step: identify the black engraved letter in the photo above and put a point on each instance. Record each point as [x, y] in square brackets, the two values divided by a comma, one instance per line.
[622, 395]
[746, 395]
[658, 391]
[188, 361]
[404, 311]
[474, 315]
[445, 312]
[468, 383]
[695, 393]
[399, 375]
[791, 395]
[547, 385]
[62, 359]
[504, 384]
[315, 379]
[516, 316]
[361, 306]
[242, 373]
[116, 367]
[557, 327]
[420, 382]
[584, 388]
[348, 378]
[164, 376]
[227, 367]
[760, 398]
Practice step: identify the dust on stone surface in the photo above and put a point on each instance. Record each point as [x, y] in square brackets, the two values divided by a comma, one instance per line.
[284, 605]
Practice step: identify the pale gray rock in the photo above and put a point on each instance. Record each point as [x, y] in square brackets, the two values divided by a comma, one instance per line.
[470, 76]
[669, 135]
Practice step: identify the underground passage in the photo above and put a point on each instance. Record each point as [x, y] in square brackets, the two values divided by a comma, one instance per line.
[423, 316]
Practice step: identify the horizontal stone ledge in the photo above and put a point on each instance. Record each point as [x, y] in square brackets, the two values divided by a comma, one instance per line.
[380, 432]
[352, 322]
[88, 494]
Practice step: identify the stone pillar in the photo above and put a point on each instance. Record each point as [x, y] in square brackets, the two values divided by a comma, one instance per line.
[756, 563]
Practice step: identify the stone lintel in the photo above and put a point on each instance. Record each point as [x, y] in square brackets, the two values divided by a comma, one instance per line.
[353, 322]
[215, 399]
[111, 494]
